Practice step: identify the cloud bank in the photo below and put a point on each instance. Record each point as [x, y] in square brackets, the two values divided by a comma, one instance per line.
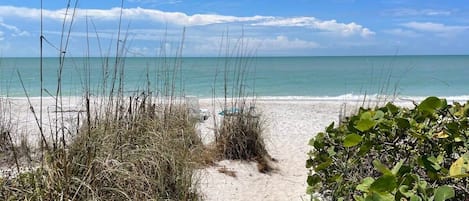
[434, 27]
[183, 19]
[403, 12]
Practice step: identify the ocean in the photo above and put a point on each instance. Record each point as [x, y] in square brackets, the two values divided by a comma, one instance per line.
[324, 77]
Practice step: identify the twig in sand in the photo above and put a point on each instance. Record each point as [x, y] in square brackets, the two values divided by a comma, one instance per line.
[226, 171]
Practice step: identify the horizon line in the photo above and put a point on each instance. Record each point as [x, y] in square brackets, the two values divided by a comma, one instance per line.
[263, 56]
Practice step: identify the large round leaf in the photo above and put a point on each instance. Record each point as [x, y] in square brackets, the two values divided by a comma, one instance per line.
[385, 183]
[430, 104]
[365, 124]
[444, 193]
[460, 168]
[352, 140]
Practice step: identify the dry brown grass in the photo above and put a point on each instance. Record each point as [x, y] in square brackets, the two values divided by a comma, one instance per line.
[240, 137]
[145, 155]
[126, 148]
[5, 125]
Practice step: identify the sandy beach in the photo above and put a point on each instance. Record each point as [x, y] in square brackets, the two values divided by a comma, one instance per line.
[22, 120]
[288, 126]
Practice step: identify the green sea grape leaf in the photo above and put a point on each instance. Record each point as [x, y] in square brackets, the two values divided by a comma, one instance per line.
[397, 167]
[380, 197]
[392, 108]
[430, 104]
[330, 128]
[422, 185]
[430, 163]
[310, 190]
[366, 115]
[434, 162]
[358, 198]
[385, 183]
[415, 198]
[379, 114]
[404, 190]
[352, 140]
[466, 109]
[460, 168]
[313, 180]
[318, 141]
[365, 124]
[440, 159]
[309, 163]
[311, 142]
[365, 185]
[324, 164]
[365, 147]
[402, 123]
[381, 168]
[452, 126]
[443, 193]
[444, 103]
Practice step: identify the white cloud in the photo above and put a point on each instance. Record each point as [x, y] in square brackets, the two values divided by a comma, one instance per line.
[183, 19]
[401, 12]
[140, 51]
[1, 36]
[157, 2]
[138, 13]
[282, 43]
[16, 31]
[252, 45]
[435, 27]
[313, 23]
[403, 32]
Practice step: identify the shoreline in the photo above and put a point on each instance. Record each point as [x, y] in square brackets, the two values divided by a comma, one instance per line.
[339, 98]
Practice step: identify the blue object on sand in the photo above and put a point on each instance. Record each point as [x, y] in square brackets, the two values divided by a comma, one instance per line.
[229, 112]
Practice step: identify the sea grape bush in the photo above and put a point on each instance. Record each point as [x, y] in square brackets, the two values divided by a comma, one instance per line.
[394, 153]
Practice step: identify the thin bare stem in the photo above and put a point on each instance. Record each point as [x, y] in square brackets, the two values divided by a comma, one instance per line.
[44, 141]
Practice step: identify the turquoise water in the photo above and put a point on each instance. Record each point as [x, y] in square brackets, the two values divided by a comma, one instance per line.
[265, 76]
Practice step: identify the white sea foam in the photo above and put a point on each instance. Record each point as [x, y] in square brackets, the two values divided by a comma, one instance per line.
[358, 98]
[339, 98]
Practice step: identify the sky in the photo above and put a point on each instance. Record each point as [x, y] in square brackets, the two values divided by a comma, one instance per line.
[224, 27]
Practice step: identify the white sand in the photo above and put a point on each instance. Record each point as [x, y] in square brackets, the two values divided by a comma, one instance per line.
[23, 120]
[288, 128]
[18, 116]
[289, 125]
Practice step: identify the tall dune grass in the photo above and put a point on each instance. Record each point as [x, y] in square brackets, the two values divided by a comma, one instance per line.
[126, 146]
[145, 154]
[239, 135]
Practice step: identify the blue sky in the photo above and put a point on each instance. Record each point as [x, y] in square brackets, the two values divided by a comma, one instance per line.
[267, 27]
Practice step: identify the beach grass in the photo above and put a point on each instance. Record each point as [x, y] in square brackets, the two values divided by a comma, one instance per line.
[125, 146]
[239, 134]
[146, 155]
[128, 146]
